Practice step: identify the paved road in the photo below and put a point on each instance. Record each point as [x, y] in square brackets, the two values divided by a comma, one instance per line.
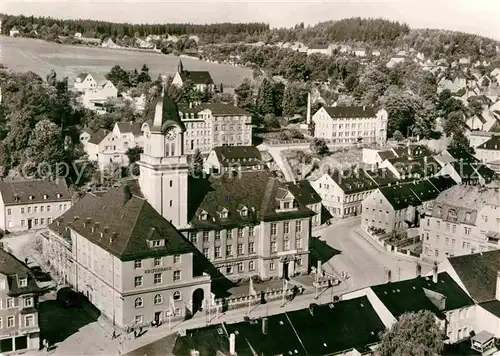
[364, 261]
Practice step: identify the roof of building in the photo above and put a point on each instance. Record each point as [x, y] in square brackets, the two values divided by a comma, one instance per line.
[30, 192]
[82, 76]
[240, 155]
[492, 306]
[386, 154]
[482, 133]
[492, 144]
[413, 151]
[14, 269]
[97, 137]
[353, 181]
[421, 167]
[382, 176]
[400, 196]
[130, 127]
[197, 77]
[256, 191]
[461, 154]
[478, 273]
[169, 115]
[303, 192]
[208, 340]
[442, 183]
[461, 203]
[217, 109]
[413, 295]
[340, 112]
[161, 347]
[122, 222]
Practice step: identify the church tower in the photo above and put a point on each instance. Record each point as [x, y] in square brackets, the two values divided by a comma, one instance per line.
[163, 166]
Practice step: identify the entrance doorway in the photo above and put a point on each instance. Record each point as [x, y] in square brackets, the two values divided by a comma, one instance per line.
[198, 296]
[285, 270]
[157, 317]
[30, 223]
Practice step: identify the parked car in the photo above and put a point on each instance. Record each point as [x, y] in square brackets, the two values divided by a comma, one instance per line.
[69, 298]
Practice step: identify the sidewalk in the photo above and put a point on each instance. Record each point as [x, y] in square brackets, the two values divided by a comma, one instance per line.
[236, 315]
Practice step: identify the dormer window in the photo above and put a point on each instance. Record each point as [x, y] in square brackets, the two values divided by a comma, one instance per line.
[286, 205]
[23, 282]
[243, 210]
[203, 215]
[468, 217]
[45, 196]
[58, 195]
[223, 213]
[31, 197]
[156, 243]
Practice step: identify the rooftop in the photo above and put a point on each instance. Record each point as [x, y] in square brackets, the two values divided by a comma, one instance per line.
[242, 155]
[123, 223]
[197, 77]
[478, 273]
[36, 191]
[217, 109]
[353, 181]
[130, 127]
[345, 112]
[14, 269]
[303, 192]
[97, 137]
[492, 144]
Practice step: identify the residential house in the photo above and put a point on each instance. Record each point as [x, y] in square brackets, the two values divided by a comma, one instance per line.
[489, 152]
[460, 82]
[488, 121]
[110, 147]
[308, 331]
[351, 124]
[19, 294]
[359, 52]
[127, 259]
[439, 293]
[85, 82]
[249, 224]
[477, 138]
[394, 61]
[233, 158]
[212, 125]
[375, 157]
[321, 49]
[202, 80]
[468, 173]
[408, 168]
[399, 206]
[479, 275]
[462, 220]
[26, 205]
[95, 91]
[14, 31]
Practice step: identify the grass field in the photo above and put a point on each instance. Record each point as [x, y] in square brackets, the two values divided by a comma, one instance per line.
[24, 54]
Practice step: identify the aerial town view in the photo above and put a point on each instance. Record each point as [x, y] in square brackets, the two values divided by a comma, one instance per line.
[250, 178]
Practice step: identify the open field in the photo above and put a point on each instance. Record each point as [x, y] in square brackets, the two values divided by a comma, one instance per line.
[25, 54]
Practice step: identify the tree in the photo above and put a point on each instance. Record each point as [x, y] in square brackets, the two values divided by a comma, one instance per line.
[271, 122]
[351, 82]
[397, 135]
[264, 103]
[416, 334]
[244, 95]
[197, 163]
[459, 140]
[118, 75]
[320, 147]
[144, 76]
[453, 123]
[134, 154]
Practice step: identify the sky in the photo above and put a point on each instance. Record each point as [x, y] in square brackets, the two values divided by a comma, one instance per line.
[475, 16]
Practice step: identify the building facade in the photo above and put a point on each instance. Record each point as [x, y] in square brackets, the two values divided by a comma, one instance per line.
[32, 204]
[462, 220]
[342, 124]
[19, 328]
[202, 80]
[489, 152]
[234, 158]
[130, 262]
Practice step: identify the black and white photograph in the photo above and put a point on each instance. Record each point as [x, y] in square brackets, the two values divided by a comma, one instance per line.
[250, 178]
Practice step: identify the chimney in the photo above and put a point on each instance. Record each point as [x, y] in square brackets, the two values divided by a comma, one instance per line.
[232, 344]
[435, 273]
[264, 326]
[364, 107]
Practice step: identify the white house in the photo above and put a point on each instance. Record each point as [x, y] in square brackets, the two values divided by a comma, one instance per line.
[202, 80]
[14, 32]
[95, 91]
[489, 152]
[395, 60]
[488, 120]
[351, 124]
[237, 158]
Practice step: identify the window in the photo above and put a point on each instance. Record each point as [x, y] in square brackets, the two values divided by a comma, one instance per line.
[157, 261]
[286, 245]
[177, 276]
[454, 228]
[240, 249]
[42, 221]
[286, 227]
[22, 210]
[10, 303]
[22, 222]
[467, 230]
[156, 243]
[217, 235]
[138, 303]
[138, 281]
[298, 243]
[137, 264]
[205, 252]
[177, 258]
[138, 319]
[217, 251]
[240, 267]
[229, 234]
[229, 250]
[240, 233]
[193, 237]
[35, 209]
[49, 220]
[436, 252]
[298, 226]
[286, 205]
[205, 236]
[272, 266]
[10, 322]
[229, 269]
[28, 302]
[171, 183]
[273, 246]
[29, 209]
[23, 282]
[251, 266]
[2, 284]
[273, 229]
[251, 231]
[177, 295]
[36, 221]
[251, 247]
[158, 299]
[48, 208]
[298, 261]
[157, 278]
[9, 211]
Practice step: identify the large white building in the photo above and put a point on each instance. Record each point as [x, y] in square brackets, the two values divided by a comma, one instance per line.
[95, 91]
[351, 124]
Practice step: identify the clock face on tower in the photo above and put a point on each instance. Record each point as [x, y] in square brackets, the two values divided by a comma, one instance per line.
[170, 134]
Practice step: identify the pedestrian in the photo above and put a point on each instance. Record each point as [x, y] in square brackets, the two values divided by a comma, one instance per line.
[114, 335]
